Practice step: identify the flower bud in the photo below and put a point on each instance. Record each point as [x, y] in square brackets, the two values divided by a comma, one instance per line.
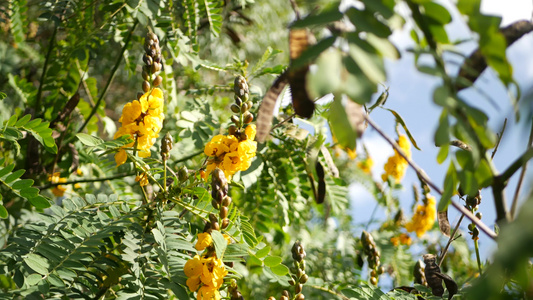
[300, 297]
[373, 280]
[235, 119]
[157, 81]
[250, 104]
[213, 218]
[298, 288]
[285, 293]
[226, 201]
[215, 226]
[232, 129]
[304, 278]
[214, 203]
[235, 108]
[147, 60]
[238, 100]
[223, 212]
[146, 86]
[225, 223]
[248, 117]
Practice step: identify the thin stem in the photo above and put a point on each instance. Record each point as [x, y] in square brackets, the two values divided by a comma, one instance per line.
[164, 174]
[478, 258]
[335, 293]
[500, 135]
[282, 122]
[521, 179]
[47, 186]
[372, 216]
[445, 251]
[428, 181]
[111, 76]
[45, 67]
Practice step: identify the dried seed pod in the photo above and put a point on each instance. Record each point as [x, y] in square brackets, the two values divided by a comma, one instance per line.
[157, 81]
[146, 86]
[235, 108]
[433, 281]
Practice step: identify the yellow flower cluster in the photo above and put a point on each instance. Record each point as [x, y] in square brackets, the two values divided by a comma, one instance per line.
[397, 165]
[366, 165]
[230, 154]
[205, 273]
[424, 217]
[403, 239]
[58, 190]
[142, 119]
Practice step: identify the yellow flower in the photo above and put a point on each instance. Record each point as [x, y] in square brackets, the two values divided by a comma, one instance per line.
[395, 240]
[142, 120]
[208, 293]
[142, 179]
[250, 132]
[351, 153]
[204, 241]
[58, 190]
[366, 165]
[213, 272]
[396, 165]
[424, 217]
[193, 267]
[405, 239]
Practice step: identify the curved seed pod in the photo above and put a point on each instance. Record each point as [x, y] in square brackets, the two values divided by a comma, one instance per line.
[451, 285]
[434, 282]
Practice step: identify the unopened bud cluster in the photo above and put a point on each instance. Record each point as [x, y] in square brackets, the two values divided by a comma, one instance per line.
[418, 273]
[152, 62]
[221, 200]
[372, 257]
[241, 109]
[234, 291]
[298, 278]
[472, 204]
[166, 146]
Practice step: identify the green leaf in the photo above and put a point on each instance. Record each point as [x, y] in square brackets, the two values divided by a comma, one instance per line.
[310, 54]
[89, 140]
[365, 21]
[33, 279]
[442, 135]
[437, 13]
[22, 121]
[366, 58]
[272, 261]
[2, 96]
[402, 122]
[327, 16]
[220, 243]
[40, 202]
[340, 125]
[15, 175]
[450, 187]
[269, 53]
[6, 170]
[3, 212]
[327, 77]
[22, 184]
[280, 270]
[37, 263]
[443, 153]
[263, 252]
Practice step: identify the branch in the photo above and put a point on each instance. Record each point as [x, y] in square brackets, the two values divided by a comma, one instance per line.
[47, 186]
[111, 76]
[443, 254]
[475, 64]
[428, 181]
[522, 176]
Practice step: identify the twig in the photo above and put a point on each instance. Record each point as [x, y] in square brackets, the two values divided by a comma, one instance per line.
[295, 8]
[426, 179]
[45, 67]
[500, 135]
[443, 254]
[521, 178]
[328, 291]
[281, 123]
[47, 186]
[111, 76]
[460, 144]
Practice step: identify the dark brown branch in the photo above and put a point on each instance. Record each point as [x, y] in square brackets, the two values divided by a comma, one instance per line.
[475, 64]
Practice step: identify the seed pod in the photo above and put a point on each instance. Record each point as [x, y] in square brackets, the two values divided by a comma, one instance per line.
[157, 81]
[225, 223]
[215, 203]
[223, 212]
[232, 129]
[298, 288]
[304, 278]
[226, 201]
[183, 174]
[373, 280]
[146, 86]
[235, 108]
[434, 282]
[248, 117]
[300, 297]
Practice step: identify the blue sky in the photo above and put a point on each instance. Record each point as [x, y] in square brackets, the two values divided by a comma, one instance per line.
[411, 96]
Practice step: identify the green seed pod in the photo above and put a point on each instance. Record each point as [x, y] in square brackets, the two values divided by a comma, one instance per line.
[146, 86]
[157, 81]
[225, 223]
[304, 278]
[479, 215]
[232, 129]
[298, 288]
[183, 174]
[248, 117]
[223, 212]
[235, 119]
[235, 108]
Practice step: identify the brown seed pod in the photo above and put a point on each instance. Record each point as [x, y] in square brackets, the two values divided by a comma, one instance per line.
[434, 282]
[235, 108]
[298, 288]
[248, 117]
[225, 223]
[223, 212]
[157, 81]
[146, 86]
